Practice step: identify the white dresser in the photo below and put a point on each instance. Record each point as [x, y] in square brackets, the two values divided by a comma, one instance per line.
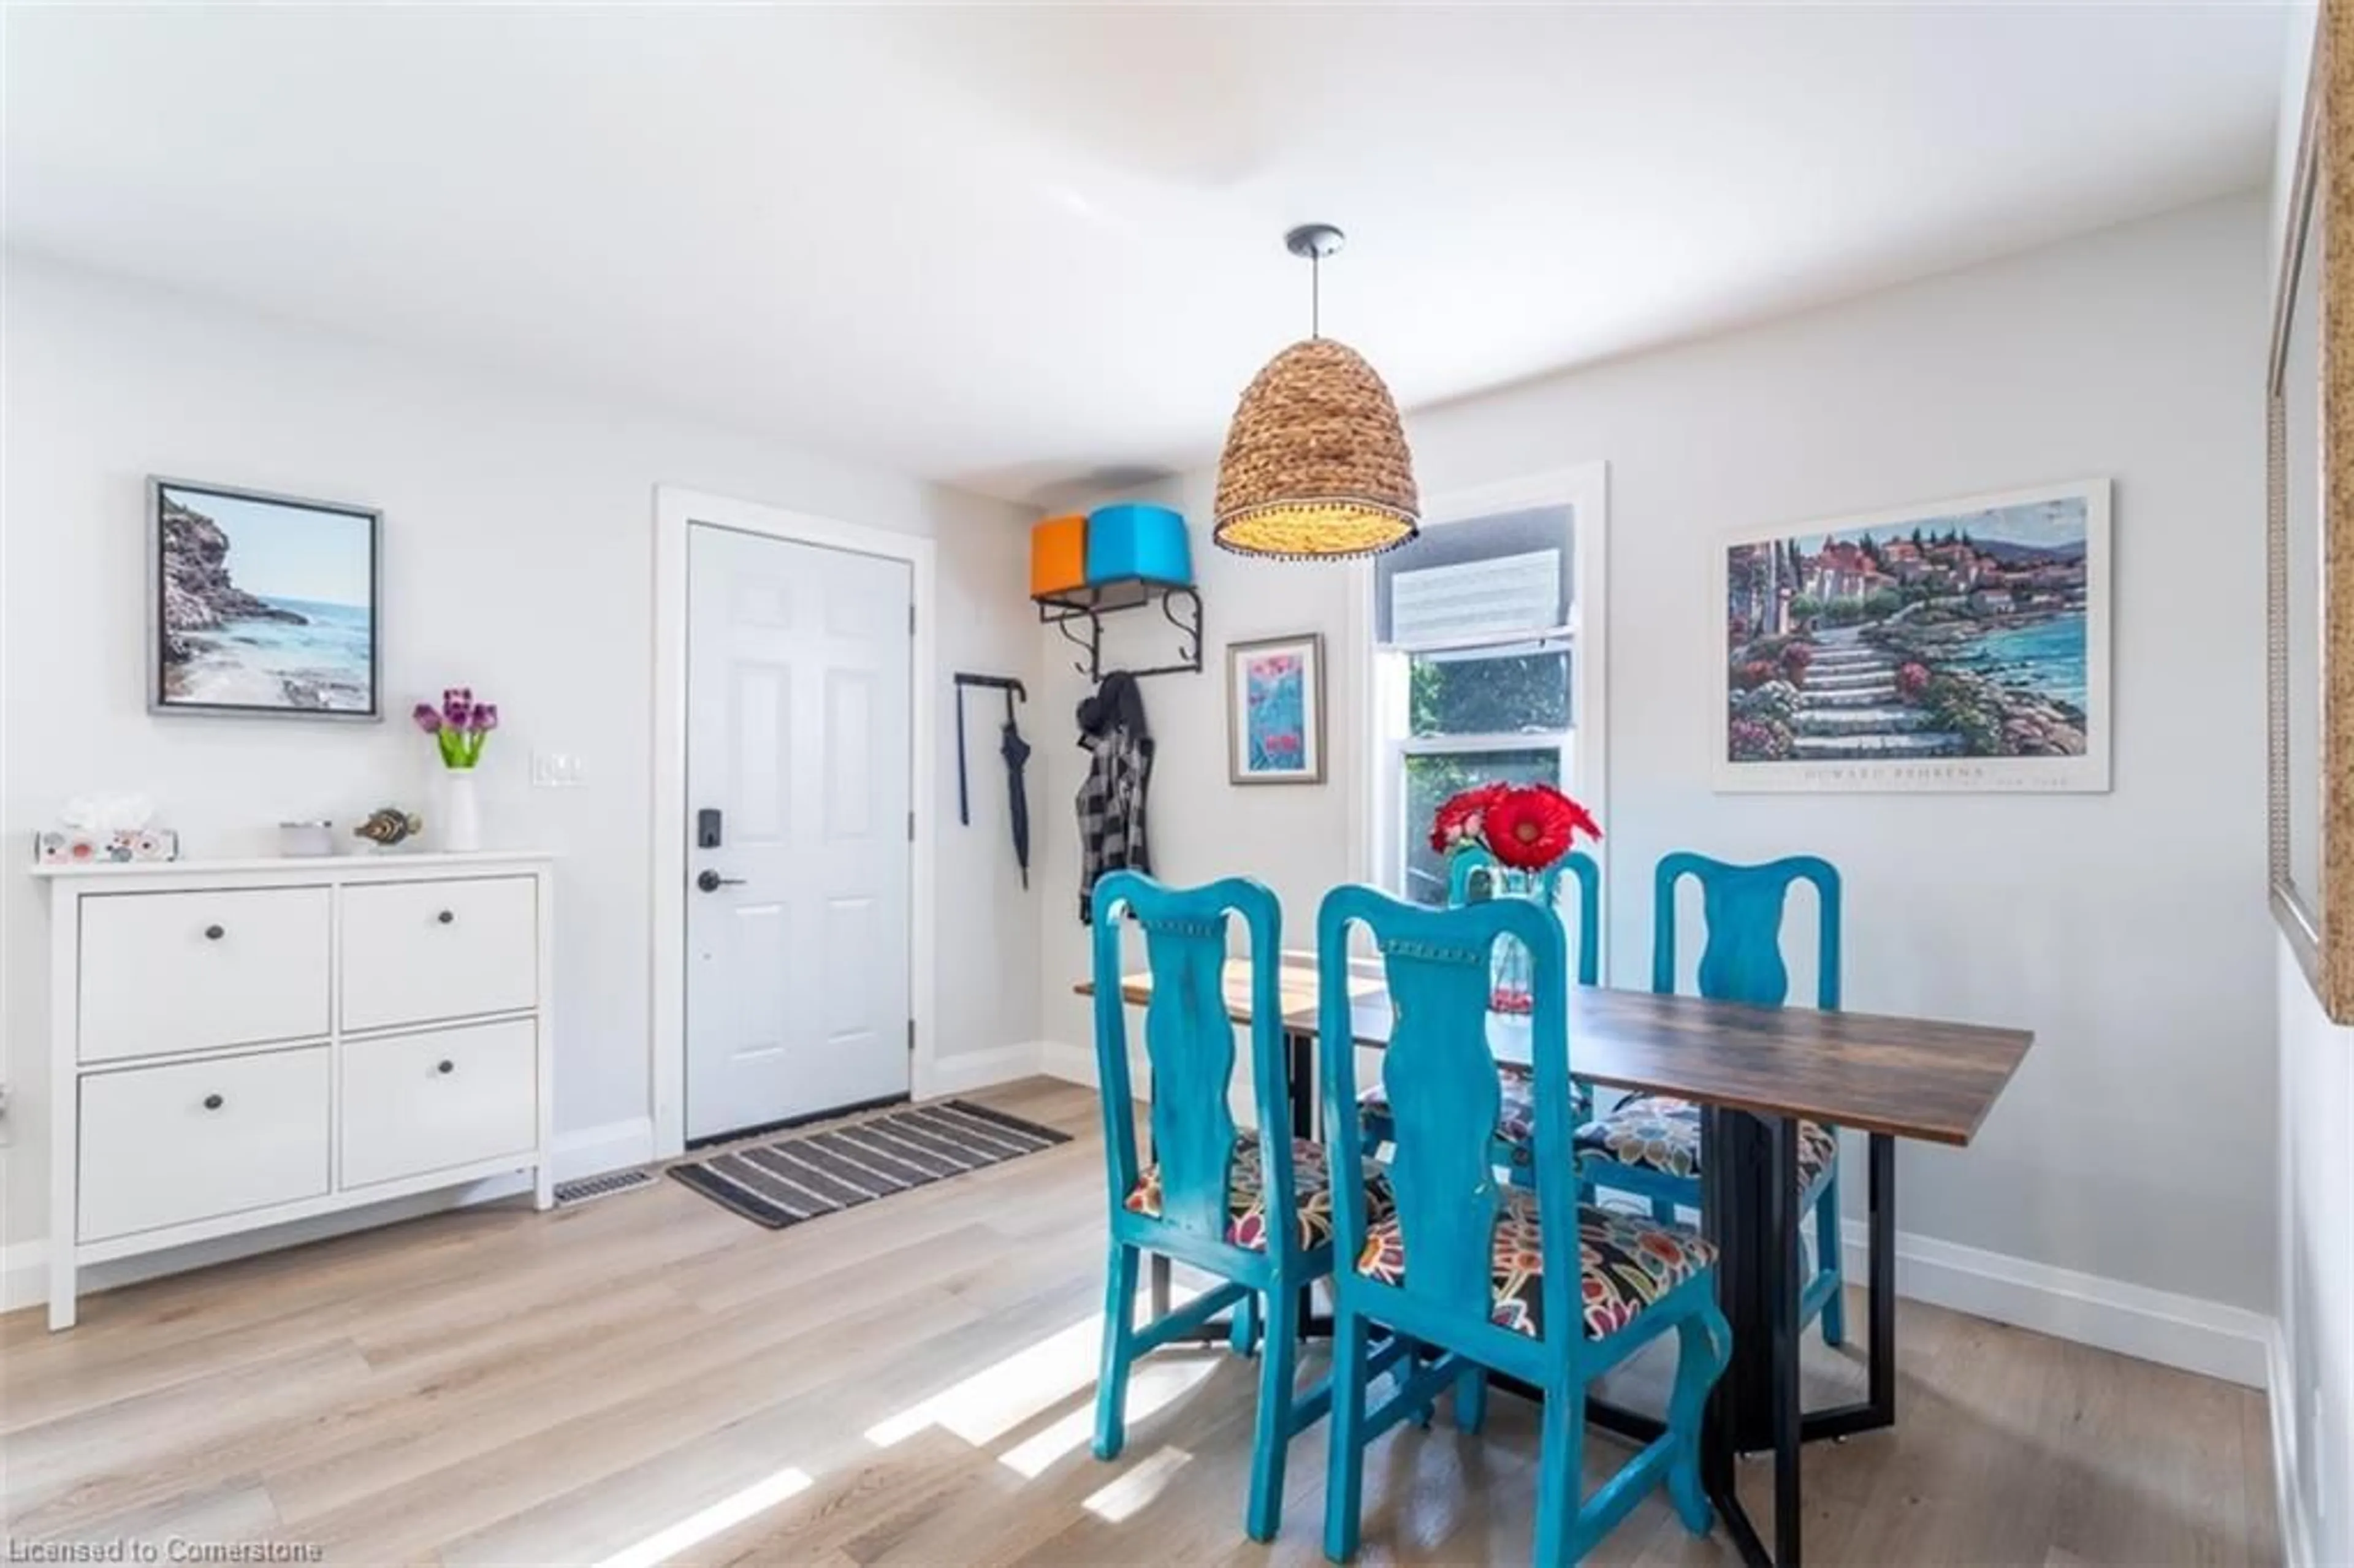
[238, 1043]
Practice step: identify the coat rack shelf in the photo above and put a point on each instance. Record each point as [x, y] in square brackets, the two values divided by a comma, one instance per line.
[1077, 614]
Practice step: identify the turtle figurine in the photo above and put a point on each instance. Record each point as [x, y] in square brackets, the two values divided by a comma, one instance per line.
[390, 827]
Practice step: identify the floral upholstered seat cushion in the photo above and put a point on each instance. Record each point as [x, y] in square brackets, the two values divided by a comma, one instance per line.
[1661, 1134]
[1625, 1263]
[1311, 1185]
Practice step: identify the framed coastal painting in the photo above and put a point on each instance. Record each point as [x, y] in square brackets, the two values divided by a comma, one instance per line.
[1274, 710]
[261, 606]
[1955, 645]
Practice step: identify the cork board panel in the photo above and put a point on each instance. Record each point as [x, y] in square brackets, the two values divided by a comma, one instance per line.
[2319, 921]
[2334, 216]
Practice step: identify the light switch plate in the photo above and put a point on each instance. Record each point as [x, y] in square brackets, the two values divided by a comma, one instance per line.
[555, 770]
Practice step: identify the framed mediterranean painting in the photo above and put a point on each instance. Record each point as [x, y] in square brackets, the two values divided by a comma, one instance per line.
[1274, 710]
[1955, 645]
[261, 606]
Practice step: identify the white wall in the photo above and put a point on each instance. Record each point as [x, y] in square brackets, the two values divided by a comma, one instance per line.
[518, 559]
[2313, 1384]
[2128, 929]
[2313, 1378]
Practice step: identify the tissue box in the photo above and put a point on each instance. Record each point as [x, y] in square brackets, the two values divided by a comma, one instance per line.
[1058, 555]
[64, 846]
[1134, 540]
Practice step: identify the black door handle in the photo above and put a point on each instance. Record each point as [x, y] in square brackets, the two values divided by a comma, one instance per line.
[213, 933]
[213, 1102]
[712, 882]
[445, 1065]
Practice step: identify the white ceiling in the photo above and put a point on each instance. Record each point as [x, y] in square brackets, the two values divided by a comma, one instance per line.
[1015, 249]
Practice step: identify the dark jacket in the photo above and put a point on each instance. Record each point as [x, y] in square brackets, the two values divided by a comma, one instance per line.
[1111, 797]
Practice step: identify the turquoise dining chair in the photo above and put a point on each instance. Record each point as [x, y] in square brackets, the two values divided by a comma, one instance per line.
[1470, 876]
[1486, 1276]
[1650, 1145]
[1254, 1209]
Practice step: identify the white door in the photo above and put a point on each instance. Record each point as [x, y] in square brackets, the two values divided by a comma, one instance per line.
[797, 825]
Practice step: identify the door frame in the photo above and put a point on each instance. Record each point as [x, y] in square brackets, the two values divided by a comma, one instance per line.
[675, 509]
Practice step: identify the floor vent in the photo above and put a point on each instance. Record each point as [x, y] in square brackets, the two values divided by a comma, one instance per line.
[603, 1186]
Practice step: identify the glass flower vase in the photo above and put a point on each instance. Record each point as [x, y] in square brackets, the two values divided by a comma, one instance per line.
[1511, 968]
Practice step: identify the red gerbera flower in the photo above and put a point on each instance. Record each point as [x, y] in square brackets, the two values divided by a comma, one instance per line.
[1530, 828]
[1461, 819]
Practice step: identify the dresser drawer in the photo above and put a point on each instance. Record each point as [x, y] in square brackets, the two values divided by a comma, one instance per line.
[418, 952]
[192, 1140]
[184, 971]
[415, 1103]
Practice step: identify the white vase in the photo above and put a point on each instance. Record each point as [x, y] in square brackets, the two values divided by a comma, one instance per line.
[461, 810]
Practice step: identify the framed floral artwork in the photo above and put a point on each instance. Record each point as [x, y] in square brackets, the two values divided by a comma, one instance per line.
[1274, 710]
[1955, 645]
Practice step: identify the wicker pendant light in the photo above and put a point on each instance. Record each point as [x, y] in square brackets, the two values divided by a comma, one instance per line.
[1316, 465]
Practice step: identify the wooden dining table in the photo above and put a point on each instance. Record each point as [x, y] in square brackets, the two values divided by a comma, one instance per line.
[1754, 1072]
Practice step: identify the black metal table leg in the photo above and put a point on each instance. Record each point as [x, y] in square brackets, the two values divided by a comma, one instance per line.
[1300, 1075]
[1748, 1192]
[1734, 1162]
[1781, 1257]
[1157, 1284]
[1718, 1442]
[1877, 1410]
[1883, 1279]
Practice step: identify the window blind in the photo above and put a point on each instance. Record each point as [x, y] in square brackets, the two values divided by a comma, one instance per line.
[1484, 579]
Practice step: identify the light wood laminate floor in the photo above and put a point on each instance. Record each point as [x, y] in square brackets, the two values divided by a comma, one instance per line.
[649, 1376]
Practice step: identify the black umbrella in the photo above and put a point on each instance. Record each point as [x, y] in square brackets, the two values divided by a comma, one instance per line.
[1016, 752]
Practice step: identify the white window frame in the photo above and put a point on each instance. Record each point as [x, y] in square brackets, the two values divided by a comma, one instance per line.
[1380, 826]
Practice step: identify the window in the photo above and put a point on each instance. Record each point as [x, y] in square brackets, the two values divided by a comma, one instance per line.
[1481, 667]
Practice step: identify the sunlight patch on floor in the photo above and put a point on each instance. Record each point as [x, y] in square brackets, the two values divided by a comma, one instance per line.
[701, 1525]
[1007, 1393]
[1123, 1495]
[1152, 1384]
[999, 1397]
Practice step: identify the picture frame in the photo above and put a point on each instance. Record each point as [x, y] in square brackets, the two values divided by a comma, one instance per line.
[1274, 710]
[1956, 646]
[262, 605]
[2310, 541]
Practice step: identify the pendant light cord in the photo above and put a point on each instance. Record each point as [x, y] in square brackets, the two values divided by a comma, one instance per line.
[1315, 295]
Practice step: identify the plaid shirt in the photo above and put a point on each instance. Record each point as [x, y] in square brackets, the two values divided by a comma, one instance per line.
[1112, 810]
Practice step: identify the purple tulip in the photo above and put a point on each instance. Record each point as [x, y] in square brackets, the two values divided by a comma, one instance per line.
[486, 715]
[457, 706]
[427, 718]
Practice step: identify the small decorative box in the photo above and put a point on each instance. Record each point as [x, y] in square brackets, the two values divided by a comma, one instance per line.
[65, 846]
[1058, 555]
[1133, 539]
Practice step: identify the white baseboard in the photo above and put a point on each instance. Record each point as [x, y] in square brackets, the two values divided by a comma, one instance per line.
[2205, 1337]
[2296, 1542]
[589, 1151]
[1072, 1064]
[969, 1070]
[593, 1151]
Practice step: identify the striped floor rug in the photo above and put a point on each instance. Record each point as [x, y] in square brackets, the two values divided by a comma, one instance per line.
[821, 1171]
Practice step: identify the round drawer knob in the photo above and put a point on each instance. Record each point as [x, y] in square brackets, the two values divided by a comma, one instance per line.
[445, 1065]
[214, 1102]
[213, 933]
[446, 918]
